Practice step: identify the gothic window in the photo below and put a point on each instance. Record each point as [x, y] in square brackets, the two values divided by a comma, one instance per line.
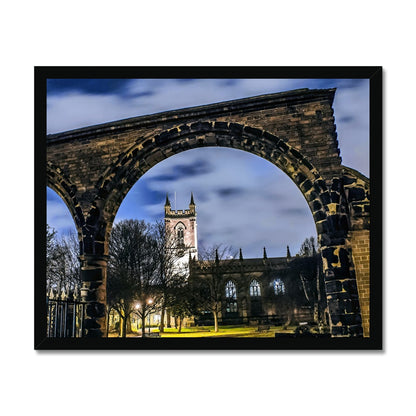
[230, 290]
[179, 236]
[231, 297]
[254, 288]
[279, 287]
[231, 307]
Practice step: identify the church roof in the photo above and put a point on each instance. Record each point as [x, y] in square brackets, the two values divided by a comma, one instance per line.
[258, 264]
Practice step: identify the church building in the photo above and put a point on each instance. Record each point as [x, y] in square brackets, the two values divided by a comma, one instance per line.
[273, 290]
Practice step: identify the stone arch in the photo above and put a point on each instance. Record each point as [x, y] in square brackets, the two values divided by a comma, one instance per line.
[64, 187]
[325, 200]
[119, 178]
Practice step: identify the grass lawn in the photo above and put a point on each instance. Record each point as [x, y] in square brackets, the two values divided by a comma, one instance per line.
[224, 331]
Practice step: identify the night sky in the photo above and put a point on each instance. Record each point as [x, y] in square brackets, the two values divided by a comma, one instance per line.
[241, 199]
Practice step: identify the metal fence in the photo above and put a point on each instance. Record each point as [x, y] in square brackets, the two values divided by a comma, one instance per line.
[65, 314]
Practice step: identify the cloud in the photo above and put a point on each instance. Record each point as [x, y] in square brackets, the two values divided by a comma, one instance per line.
[165, 177]
[293, 212]
[346, 119]
[230, 192]
[183, 170]
[351, 83]
[74, 110]
[352, 117]
[87, 86]
[139, 94]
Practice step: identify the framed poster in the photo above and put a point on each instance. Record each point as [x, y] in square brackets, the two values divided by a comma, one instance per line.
[208, 208]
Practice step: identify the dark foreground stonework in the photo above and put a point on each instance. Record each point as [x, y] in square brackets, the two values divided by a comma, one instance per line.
[93, 169]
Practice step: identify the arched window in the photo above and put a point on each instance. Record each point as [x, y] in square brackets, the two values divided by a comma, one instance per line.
[230, 290]
[254, 288]
[180, 235]
[231, 297]
[278, 287]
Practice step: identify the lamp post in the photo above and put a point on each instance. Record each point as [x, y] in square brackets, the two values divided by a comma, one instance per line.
[149, 302]
[142, 315]
[137, 306]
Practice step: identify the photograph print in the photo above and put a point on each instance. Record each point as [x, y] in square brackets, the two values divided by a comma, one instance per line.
[208, 208]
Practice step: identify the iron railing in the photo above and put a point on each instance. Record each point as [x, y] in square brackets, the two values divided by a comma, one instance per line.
[65, 314]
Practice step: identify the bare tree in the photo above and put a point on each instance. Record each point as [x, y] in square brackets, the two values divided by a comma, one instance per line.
[62, 263]
[170, 277]
[71, 246]
[308, 247]
[133, 279]
[182, 304]
[50, 255]
[210, 290]
[308, 266]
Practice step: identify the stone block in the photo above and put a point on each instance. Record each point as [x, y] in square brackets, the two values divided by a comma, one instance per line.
[333, 286]
[91, 274]
[356, 194]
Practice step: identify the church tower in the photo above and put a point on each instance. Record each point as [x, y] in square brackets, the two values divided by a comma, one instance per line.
[181, 224]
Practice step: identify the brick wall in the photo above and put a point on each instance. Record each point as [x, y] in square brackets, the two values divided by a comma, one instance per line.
[360, 242]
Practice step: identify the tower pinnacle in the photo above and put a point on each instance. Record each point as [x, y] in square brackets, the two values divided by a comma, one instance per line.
[167, 203]
[192, 204]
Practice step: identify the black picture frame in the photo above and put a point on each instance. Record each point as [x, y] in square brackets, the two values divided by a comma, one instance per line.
[374, 342]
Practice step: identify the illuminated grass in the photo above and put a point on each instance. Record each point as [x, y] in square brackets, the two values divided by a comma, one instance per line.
[224, 331]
